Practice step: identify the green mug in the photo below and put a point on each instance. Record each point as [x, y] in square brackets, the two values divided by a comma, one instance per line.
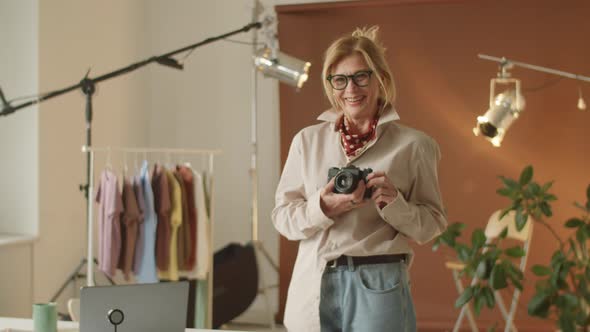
[45, 317]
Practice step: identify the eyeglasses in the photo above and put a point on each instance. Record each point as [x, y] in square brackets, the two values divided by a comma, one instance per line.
[360, 79]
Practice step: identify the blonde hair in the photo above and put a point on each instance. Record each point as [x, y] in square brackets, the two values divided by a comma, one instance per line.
[362, 41]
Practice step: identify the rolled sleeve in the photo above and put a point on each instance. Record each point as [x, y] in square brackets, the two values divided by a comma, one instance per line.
[296, 216]
[419, 213]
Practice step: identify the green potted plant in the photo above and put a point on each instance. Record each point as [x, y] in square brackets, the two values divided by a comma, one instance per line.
[562, 288]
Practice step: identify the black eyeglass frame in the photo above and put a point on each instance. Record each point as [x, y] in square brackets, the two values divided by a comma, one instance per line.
[350, 78]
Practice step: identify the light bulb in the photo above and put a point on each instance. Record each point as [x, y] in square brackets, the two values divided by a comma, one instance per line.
[581, 102]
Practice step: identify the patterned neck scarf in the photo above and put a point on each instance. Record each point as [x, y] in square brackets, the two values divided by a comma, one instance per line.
[354, 144]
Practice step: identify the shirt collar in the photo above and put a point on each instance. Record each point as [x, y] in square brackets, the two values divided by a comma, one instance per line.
[331, 115]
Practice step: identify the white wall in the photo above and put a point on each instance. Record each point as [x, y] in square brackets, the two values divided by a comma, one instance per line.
[19, 150]
[209, 106]
[75, 35]
[18, 132]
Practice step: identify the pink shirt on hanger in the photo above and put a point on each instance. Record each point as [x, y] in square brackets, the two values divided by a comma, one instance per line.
[110, 207]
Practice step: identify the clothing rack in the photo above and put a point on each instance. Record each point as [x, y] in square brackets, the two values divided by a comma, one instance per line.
[200, 322]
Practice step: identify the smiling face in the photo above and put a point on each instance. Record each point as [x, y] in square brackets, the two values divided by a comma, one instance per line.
[358, 103]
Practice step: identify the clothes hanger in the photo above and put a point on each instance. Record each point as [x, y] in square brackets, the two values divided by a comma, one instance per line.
[168, 160]
[108, 164]
[125, 168]
[187, 163]
[135, 163]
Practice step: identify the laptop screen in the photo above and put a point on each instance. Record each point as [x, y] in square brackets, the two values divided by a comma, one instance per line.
[134, 308]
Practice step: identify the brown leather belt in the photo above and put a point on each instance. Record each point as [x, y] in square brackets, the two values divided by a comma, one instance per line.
[363, 260]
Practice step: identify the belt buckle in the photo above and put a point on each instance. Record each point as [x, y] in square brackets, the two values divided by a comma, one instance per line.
[333, 264]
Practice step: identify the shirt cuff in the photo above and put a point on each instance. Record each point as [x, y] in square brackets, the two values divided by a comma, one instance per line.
[315, 214]
[399, 205]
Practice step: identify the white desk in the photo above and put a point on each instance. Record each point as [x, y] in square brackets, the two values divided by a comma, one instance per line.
[26, 325]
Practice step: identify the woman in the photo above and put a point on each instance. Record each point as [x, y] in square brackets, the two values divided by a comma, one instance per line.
[354, 249]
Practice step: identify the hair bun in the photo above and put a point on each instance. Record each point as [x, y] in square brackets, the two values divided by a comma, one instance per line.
[367, 32]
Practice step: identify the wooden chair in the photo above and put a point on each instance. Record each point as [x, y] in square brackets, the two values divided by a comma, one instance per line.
[493, 229]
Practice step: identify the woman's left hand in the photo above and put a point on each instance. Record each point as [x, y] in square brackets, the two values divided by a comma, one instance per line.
[384, 192]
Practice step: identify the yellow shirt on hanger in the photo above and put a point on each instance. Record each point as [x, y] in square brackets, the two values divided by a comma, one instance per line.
[175, 222]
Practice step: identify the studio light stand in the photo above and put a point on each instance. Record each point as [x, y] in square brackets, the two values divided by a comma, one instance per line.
[258, 246]
[88, 87]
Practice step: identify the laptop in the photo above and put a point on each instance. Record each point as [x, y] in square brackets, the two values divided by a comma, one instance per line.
[134, 308]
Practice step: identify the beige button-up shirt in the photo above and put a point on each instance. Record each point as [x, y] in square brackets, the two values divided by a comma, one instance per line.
[408, 157]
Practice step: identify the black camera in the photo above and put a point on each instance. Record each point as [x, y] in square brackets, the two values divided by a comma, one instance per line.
[346, 179]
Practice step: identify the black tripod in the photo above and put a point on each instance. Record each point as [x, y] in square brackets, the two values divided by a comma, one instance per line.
[88, 87]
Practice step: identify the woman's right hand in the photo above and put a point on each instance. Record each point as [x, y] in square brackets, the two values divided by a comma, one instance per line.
[334, 204]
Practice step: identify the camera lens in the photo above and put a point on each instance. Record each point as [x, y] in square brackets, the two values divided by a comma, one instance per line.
[344, 182]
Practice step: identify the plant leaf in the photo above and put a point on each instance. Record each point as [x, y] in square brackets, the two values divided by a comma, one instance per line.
[515, 251]
[539, 305]
[457, 227]
[588, 193]
[566, 323]
[479, 302]
[573, 223]
[516, 283]
[507, 192]
[464, 297]
[478, 238]
[541, 270]
[546, 209]
[498, 278]
[514, 271]
[489, 296]
[514, 274]
[521, 219]
[526, 175]
[579, 206]
[535, 188]
[509, 183]
[436, 244]
[484, 268]
[567, 300]
[463, 253]
[546, 186]
[550, 197]
[505, 212]
[581, 235]
[504, 233]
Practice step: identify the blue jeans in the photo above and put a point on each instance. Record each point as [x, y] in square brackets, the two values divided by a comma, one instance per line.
[367, 298]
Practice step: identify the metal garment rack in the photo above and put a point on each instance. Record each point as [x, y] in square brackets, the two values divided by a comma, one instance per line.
[208, 321]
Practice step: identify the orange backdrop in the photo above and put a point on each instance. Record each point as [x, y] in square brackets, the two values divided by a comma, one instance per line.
[432, 49]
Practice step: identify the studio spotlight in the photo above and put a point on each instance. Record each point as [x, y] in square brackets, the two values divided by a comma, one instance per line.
[283, 67]
[507, 106]
[504, 109]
